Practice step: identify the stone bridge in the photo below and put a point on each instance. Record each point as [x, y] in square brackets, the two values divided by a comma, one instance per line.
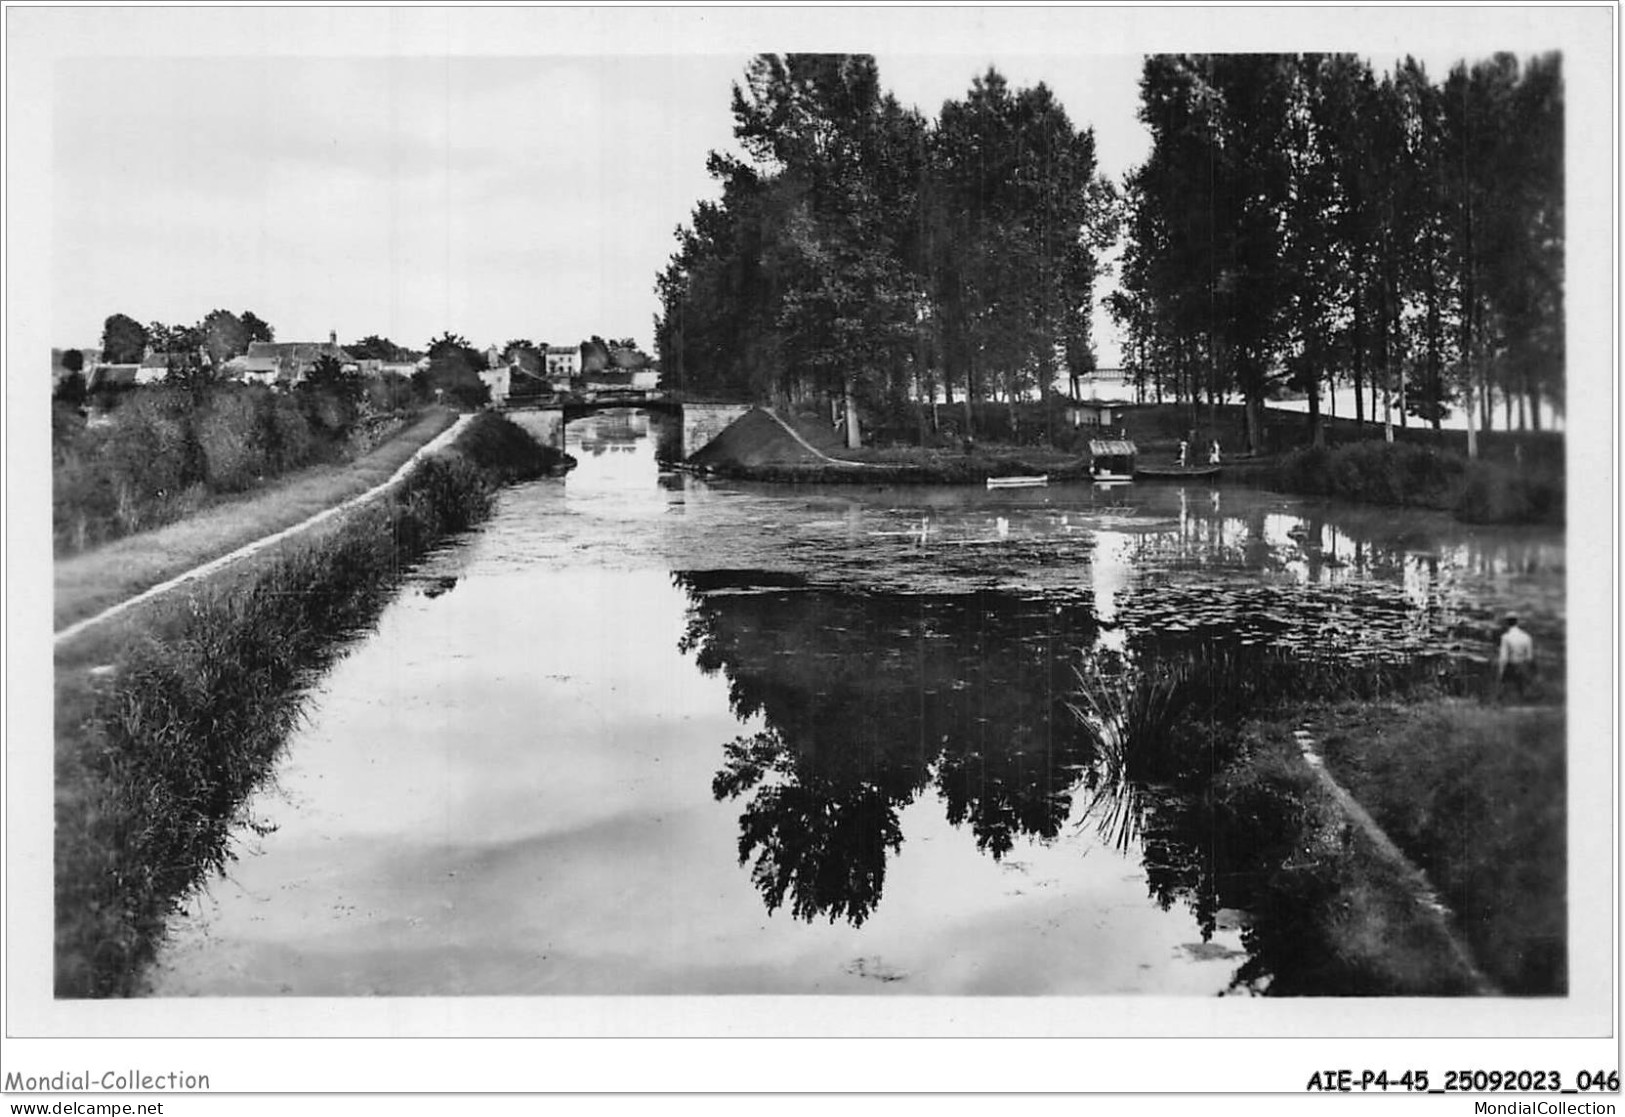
[545, 421]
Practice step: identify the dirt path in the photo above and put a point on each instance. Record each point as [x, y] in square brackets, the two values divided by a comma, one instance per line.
[256, 515]
[1423, 894]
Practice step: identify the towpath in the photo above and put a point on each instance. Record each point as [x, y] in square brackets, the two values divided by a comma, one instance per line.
[257, 519]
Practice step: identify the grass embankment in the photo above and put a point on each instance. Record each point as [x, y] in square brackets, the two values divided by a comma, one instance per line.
[130, 461]
[1476, 795]
[89, 582]
[1517, 479]
[760, 447]
[915, 467]
[1403, 474]
[1472, 795]
[157, 754]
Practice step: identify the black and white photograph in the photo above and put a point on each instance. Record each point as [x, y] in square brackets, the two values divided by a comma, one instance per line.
[653, 524]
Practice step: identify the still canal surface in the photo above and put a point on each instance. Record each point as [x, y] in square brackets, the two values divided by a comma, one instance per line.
[647, 733]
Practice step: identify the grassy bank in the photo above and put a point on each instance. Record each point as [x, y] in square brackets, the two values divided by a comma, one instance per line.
[89, 582]
[1472, 795]
[915, 467]
[136, 460]
[1408, 475]
[1476, 796]
[158, 750]
[1518, 479]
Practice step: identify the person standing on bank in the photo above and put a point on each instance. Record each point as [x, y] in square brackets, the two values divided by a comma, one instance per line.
[1183, 447]
[1515, 666]
[1213, 453]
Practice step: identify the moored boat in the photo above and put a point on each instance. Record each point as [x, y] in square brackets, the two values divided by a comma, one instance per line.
[1177, 472]
[1017, 482]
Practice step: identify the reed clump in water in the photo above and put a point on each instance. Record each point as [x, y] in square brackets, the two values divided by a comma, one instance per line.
[156, 761]
[1196, 764]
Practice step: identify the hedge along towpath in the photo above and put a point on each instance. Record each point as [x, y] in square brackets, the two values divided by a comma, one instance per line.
[439, 442]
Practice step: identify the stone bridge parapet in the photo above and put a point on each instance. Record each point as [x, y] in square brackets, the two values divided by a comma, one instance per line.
[702, 422]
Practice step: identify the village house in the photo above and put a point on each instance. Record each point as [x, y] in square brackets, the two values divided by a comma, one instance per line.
[563, 361]
[154, 367]
[286, 362]
[1095, 413]
[373, 367]
[499, 380]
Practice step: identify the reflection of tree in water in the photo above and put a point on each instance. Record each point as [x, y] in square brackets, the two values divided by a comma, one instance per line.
[820, 830]
[868, 699]
[1216, 835]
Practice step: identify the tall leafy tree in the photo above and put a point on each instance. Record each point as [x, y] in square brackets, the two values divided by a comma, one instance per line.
[256, 327]
[450, 347]
[375, 348]
[1016, 211]
[1296, 214]
[821, 126]
[124, 340]
[224, 336]
[1317, 212]
[1429, 277]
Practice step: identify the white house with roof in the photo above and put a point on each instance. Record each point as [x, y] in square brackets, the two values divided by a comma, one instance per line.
[563, 361]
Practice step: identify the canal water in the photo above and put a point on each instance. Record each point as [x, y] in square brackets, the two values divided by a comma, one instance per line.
[647, 733]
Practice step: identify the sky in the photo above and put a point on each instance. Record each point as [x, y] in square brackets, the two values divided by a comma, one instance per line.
[496, 197]
[500, 174]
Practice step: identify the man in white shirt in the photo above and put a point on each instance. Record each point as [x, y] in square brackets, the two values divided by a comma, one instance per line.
[1516, 665]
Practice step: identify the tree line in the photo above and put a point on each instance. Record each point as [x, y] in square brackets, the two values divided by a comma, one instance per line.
[863, 254]
[1298, 223]
[194, 354]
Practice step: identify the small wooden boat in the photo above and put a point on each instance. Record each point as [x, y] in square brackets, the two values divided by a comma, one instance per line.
[1177, 472]
[1017, 482]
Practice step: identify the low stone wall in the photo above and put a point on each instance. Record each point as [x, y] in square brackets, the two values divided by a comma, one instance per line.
[702, 422]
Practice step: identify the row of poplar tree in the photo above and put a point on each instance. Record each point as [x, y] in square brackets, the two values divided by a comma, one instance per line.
[1298, 221]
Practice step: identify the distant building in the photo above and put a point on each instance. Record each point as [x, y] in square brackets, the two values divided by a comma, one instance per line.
[292, 360]
[154, 367]
[528, 361]
[1095, 413]
[563, 360]
[500, 382]
[255, 370]
[604, 381]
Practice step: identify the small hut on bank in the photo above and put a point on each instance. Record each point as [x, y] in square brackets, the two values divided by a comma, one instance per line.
[1112, 459]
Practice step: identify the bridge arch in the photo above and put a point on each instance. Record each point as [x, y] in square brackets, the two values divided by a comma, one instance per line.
[546, 420]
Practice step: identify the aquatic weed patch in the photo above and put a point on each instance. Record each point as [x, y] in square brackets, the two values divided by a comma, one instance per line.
[156, 758]
[1346, 633]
